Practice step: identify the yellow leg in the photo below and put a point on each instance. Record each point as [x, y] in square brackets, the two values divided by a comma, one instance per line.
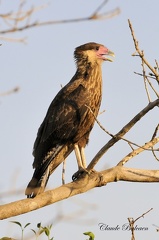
[81, 161]
[78, 156]
[83, 158]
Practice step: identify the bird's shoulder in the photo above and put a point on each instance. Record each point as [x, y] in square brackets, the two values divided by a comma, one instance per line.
[73, 87]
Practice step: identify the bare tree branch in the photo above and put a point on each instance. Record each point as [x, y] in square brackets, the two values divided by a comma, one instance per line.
[110, 134]
[121, 133]
[132, 222]
[87, 182]
[21, 20]
[153, 136]
[14, 90]
[154, 90]
[145, 79]
[135, 152]
[141, 53]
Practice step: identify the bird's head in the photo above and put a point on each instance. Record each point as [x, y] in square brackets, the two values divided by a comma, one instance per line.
[93, 52]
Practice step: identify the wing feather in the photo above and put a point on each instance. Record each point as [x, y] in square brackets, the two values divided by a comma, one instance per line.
[62, 120]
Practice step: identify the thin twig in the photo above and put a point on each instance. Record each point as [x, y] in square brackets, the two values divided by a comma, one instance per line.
[14, 90]
[135, 152]
[94, 16]
[157, 65]
[63, 171]
[155, 132]
[153, 70]
[153, 136]
[112, 135]
[140, 74]
[99, 122]
[99, 8]
[145, 79]
[143, 215]
[132, 221]
[16, 40]
[157, 94]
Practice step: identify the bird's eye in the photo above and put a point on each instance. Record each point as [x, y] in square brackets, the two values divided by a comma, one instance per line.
[97, 48]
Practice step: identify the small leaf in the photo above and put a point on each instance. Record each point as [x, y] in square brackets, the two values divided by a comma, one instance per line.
[27, 225]
[50, 226]
[33, 231]
[41, 231]
[39, 225]
[6, 238]
[90, 234]
[18, 223]
[47, 232]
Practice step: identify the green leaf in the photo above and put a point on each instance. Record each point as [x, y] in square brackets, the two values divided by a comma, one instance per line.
[18, 223]
[27, 225]
[41, 231]
[90, 234]
[47, 232]
[6, 238]
[50, 226]
[33, 231]
[39, 225]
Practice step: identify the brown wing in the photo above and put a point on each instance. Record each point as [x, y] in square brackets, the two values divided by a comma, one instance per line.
[62, 123]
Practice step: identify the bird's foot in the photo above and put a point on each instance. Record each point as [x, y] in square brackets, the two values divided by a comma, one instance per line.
[79, 173]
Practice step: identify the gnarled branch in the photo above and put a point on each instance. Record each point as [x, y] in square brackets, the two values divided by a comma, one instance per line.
[87, 182]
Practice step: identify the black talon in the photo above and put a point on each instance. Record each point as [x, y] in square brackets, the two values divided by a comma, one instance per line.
[79, 174]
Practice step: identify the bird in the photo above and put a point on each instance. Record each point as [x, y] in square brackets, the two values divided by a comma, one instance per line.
[70, 117]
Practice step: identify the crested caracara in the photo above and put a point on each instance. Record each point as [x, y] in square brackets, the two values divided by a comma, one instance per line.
[70, 117]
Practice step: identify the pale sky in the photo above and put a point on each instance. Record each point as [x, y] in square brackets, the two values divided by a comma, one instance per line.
[39, 68]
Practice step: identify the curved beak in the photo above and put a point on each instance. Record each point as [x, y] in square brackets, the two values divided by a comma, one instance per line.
[110, 54]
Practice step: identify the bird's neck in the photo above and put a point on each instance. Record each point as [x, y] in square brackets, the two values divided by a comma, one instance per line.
[90, 76]
[89, 71]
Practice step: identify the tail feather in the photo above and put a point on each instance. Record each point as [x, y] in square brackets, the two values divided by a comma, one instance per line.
[36, 185]
[41, 174]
